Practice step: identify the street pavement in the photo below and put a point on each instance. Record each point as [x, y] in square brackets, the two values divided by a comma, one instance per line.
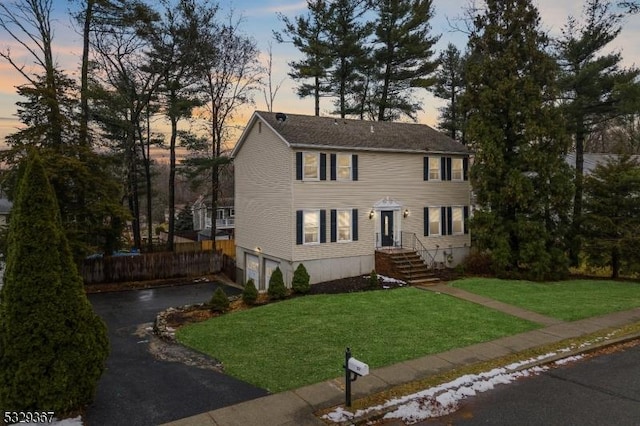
[603, 390]
[140, 389]
[297, 407]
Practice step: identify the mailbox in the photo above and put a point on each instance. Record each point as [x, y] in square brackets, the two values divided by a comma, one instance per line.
[358, 367]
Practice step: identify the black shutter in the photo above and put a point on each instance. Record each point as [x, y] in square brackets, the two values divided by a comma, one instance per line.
[323, 166]
[449, 168]
[354, 225]
[443, 221]
[298, 166]
[299, 227]
[333, 166]
[426, 221]
[466, 219]
[354, 167]
[425, 169]
[443, 168]
[323, 226]
[465, 168]
[449, 221]
[334, 226]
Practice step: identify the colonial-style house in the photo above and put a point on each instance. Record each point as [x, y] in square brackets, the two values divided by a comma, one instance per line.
[330, 193]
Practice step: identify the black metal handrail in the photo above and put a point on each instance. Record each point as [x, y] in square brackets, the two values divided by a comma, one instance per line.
[410, 240]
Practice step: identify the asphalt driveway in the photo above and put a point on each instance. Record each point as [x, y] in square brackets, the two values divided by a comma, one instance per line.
[137, 388]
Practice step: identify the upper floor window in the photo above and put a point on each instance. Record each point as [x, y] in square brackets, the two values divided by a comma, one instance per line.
[434, 168]
[457, 170]
[311, 165]
[344, 167]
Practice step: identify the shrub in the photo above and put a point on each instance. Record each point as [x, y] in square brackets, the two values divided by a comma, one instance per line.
[219, 301]
[277, 290]
[373, 279]
[300, 282]
[478, 263]
[53, 347]
[250, 293]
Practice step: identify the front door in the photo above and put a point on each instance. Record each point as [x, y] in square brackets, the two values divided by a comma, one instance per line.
[386, 223]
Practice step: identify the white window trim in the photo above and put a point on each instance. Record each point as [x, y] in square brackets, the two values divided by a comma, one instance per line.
[304, 227]
[304, 168]
[453, 160]
[439, 172]
[461, 208]
[350, 213]
[350, 157]
[439, 213]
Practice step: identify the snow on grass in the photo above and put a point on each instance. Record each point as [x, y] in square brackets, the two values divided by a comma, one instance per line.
[445, 398]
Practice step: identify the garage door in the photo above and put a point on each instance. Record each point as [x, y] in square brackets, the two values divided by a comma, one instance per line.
[253, 268]
[269, 267]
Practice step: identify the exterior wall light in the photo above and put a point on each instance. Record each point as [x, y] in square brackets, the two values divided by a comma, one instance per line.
[371, 213]
[406, 213]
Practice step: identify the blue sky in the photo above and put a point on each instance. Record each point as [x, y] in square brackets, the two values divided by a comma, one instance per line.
[260, 19]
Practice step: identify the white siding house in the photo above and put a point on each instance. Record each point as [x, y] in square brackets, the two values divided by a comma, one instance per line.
[330, 192]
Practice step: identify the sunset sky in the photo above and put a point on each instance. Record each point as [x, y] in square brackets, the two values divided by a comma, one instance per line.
[259, 21]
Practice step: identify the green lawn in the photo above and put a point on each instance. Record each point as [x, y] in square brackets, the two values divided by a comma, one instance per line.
[302, 340]
[565, 300]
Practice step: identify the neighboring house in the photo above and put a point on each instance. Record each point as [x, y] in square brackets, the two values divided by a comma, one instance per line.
[5, 209]
[592, 160]
[329, 192]
[225, 218]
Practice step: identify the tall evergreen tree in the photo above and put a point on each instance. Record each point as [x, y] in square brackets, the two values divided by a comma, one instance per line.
[347, 35]
[522, 184]
[612, 215]
[404, 51]
[449, 86]
[309, 35]
[52, 345]
[593, 84]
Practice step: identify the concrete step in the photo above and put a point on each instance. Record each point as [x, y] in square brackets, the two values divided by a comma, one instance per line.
[424, 281]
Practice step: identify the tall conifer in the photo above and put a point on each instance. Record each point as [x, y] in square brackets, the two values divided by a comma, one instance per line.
[52, 345]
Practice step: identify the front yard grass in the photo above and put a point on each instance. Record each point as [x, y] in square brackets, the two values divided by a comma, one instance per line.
[565, 300]
[302, 341]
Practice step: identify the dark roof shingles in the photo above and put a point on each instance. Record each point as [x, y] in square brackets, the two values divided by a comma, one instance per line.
[326, 132]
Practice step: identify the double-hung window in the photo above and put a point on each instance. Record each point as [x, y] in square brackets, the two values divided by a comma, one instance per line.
[434, 168]
[457, 169]
[311, 166]
[344, 166]
[434, 221]
[311, 224]
[344, 225]
[457, 220]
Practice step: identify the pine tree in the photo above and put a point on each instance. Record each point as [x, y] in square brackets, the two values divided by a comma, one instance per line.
[276, 289]
[300, 281]
[594, 86]
[612, 215]
[449, 86]
[53, 346]
[522, 184]
[403, 50]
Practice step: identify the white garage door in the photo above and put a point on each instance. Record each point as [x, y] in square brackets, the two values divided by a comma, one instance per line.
[269, 267]
[253, 269]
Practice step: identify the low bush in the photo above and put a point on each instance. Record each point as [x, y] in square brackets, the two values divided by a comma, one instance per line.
[373, 279]
[277, 290]
[219, 301]
[478, 263]
[300, 282]
[250, 293]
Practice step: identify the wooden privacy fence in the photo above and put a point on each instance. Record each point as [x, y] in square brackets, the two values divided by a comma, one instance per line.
[228, 247]
[151, 266]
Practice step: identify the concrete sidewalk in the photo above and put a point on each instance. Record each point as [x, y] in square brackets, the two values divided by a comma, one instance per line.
[297, 407]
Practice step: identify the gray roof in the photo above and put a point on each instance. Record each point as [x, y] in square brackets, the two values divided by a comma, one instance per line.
[305, 131]
[592, 160]
[5, 206]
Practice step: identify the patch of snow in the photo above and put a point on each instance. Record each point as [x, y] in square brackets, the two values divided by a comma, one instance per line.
[386, 279]
[569, 359]
[445, 398]
[76, 421]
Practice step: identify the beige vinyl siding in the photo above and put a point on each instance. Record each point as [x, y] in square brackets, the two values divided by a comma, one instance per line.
[398, 176]
[263, 172]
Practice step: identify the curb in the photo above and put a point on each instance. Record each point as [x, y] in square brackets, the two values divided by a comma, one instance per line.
[378, 415]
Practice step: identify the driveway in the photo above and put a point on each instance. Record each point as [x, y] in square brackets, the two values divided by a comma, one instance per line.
[138, 388]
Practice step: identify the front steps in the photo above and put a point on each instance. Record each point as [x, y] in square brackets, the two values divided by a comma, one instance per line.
[405, 265]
